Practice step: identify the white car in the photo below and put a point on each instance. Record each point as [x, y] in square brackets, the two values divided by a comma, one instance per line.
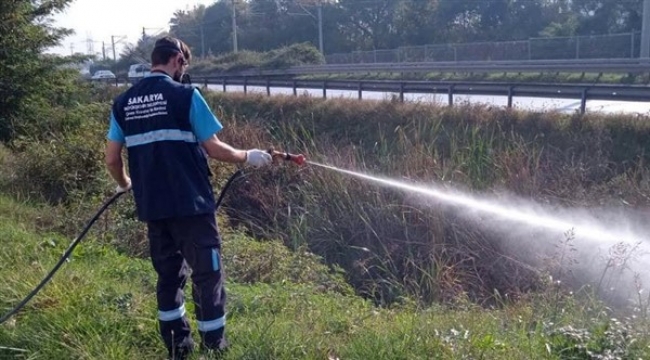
[138, 71]
[103, 74]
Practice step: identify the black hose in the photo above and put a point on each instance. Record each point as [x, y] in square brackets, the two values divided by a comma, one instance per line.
[81, 236]
[232, 178]
[62, 260]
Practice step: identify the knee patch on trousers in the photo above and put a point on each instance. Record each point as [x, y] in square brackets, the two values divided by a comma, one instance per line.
[216, 259]
[207, 260]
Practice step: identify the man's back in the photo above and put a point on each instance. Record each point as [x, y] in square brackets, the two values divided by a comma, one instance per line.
[168, 167]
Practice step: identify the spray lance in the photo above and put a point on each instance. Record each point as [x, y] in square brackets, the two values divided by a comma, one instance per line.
[298, 159]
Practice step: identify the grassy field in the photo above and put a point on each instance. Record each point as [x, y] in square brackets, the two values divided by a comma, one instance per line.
[322, 266]
[325, 266]
[101, 306]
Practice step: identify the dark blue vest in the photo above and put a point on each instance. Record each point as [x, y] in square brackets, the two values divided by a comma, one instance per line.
[168, 168]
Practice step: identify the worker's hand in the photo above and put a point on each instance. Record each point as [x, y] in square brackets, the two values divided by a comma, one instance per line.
[257, 158]
[122, 189]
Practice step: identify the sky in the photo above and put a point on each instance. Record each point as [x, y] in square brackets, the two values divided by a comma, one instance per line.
[98, 20]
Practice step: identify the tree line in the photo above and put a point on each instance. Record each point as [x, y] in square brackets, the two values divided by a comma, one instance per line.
[351, 25]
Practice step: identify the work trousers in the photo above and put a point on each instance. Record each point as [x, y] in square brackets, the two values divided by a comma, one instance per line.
[180, 247]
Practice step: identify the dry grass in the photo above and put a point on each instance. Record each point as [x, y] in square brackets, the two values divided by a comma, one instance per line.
[393, 245]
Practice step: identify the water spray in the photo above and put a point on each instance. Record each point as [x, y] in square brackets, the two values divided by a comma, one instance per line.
[589, 231]
[626, 239]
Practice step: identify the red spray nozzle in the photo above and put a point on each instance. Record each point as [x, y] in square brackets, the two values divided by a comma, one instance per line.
[296, 158]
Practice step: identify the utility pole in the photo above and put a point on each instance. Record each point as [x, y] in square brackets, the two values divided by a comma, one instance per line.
[144, 34]
[113, 43]
[202, 42]
[234, 27]
[103, 50]
[320, 27]
[319, 18]
[71, 48]
[645, 31]
[90, 48]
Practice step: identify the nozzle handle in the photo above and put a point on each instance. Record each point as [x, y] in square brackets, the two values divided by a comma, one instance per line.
[296, 158]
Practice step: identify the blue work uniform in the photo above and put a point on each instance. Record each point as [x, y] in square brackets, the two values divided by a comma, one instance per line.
[162, 123]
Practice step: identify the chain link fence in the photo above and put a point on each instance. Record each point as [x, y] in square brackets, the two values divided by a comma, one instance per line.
[615, 46]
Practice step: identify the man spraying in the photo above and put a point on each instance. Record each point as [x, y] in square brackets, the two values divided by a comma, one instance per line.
[168, 129]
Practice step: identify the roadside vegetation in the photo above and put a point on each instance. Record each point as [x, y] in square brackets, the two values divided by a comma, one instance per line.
[229, 63]
[508, 77]
[277, 59]
[319, 265]
[323, 266]
[282, 305]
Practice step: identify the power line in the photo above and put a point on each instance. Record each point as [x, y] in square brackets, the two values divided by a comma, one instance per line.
[145, 35]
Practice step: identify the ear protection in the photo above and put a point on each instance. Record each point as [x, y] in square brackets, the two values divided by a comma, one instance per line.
[169, 45]
[173, 46]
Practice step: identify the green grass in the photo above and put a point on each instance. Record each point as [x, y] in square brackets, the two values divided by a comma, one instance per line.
[101, 305]
[284, 302]
[516, 77]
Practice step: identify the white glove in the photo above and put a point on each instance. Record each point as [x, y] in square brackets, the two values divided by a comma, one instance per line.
[120, 189]
[257, 158]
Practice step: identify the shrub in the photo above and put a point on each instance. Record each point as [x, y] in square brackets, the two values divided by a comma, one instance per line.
[297, 54]
[248, 261]
[70, 161]
[294, 55]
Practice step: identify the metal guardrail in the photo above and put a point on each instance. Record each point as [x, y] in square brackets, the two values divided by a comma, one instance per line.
[582, 92]
[634, 66]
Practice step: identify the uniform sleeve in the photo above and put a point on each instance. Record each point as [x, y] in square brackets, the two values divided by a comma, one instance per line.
[114, 131]
[204, 122]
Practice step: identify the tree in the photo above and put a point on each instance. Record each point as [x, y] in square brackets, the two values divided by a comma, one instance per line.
[351, 25]
[493, 20]
[369, 24]
[414, 23]
[608, 16]
[275, 23]
[205, 29]
[139, 52]
[28, 78]
[190, 27]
